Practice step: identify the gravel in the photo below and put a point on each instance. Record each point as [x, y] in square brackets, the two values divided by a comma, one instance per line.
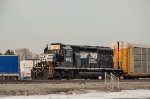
[43, 89]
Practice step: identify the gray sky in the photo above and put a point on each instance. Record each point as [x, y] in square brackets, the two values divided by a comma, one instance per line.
[35, 23]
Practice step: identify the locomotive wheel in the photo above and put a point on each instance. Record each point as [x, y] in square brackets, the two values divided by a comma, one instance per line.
[121, 77]
[34, 75]
[100, 77]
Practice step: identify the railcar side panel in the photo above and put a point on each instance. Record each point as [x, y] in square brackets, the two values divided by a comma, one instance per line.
[9, 67]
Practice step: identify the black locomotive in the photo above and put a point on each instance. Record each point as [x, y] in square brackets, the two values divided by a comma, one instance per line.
[61, 61]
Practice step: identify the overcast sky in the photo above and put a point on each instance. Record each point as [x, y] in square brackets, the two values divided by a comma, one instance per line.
[35, 23]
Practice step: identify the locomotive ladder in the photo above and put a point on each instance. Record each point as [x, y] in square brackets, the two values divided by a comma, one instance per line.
[51, 69]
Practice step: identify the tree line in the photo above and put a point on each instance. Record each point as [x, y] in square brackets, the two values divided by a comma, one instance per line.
[8, 52]
[23, 53]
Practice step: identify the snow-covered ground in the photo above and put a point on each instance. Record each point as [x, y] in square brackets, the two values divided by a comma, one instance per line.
[91, 94]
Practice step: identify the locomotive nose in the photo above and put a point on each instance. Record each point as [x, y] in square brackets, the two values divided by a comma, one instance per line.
[48, 57]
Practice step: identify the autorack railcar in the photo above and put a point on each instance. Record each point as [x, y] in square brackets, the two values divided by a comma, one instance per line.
[133, 59]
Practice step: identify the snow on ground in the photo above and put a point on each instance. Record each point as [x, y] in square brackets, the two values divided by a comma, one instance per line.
[91, 94]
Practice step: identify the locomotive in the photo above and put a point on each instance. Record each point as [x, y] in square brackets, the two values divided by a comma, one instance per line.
[61, 61]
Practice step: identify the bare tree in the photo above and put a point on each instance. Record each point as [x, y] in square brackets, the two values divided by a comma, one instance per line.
[35, 56]
[1, 53]
[9, 52]
[25, 53]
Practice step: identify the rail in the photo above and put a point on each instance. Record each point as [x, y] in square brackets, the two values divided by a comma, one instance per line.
[78, 81]
[47, 81]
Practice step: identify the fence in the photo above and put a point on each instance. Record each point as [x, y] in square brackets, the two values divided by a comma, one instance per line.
[112, 80]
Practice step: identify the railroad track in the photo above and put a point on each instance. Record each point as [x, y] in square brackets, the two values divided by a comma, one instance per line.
[46, 81]
[62, 81]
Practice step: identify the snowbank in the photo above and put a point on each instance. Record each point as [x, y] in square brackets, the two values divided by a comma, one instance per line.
[91, 94]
